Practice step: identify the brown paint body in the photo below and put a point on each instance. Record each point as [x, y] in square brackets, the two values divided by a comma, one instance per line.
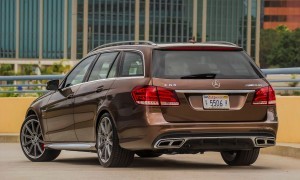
[73, 119]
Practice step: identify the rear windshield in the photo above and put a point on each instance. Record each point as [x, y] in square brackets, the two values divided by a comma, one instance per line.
[203, 65]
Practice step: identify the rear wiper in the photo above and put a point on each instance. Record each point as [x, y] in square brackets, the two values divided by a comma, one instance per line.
[200, 76]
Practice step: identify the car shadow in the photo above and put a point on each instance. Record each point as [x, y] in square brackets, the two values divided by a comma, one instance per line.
[79, 161]
[164, 163]
[161, 163]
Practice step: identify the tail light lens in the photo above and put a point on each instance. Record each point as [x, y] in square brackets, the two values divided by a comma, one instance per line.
[154, 96]
[167, 97]
[146, 95]
[264, 96]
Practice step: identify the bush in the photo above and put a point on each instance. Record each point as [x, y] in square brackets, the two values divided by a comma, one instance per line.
[280, 48]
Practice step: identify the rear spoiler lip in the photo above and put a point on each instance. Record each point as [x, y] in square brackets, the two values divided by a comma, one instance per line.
[200, 48]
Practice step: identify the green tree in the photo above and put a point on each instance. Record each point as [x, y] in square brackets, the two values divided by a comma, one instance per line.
[280, 47]
[56, 68]
[6, 70]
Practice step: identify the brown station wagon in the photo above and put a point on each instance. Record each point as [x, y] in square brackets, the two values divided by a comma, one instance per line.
[151, 99]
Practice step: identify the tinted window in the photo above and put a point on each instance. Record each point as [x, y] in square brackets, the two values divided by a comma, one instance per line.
[102, 66]
[203, 64]
[113, 71]
[132, 65]
[77, 74]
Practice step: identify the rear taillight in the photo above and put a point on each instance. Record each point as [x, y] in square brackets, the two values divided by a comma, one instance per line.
[154, 96]
[146, 95]
[264, 96]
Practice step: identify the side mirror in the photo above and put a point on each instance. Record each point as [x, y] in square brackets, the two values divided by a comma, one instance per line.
[52, 85]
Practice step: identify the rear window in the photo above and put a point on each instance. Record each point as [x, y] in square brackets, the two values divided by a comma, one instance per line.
[203, 65]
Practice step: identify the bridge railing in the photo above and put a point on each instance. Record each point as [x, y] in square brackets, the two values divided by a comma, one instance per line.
[31, 83]
[277, 77]
[34, 83]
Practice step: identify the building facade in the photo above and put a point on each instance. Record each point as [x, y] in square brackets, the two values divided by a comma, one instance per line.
[279, 12]
[46, 31]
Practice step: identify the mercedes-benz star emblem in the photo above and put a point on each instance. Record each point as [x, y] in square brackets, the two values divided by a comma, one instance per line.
[216, 84]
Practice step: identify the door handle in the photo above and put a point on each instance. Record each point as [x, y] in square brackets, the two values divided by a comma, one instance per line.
[70, 96]
[99, 89]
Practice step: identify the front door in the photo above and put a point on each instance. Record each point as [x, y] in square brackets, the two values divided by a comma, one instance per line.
[59, 112]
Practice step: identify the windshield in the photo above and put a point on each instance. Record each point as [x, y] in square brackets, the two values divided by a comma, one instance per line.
[203, 65]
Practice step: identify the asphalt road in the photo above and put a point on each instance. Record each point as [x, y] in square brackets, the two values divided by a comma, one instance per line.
[81, 165]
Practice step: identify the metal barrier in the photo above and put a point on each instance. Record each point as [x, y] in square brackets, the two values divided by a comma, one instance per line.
[277, 71]
[41, 87]
[283, 71]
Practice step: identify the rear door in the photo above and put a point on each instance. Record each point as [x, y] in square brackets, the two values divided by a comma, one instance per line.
[92, 94]
[212, 85]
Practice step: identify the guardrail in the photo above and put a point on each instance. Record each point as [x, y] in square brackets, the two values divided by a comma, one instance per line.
[283, 71]
[41, 86]
[30, 78]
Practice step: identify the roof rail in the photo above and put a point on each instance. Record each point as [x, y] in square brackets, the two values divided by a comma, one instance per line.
[221, 42]
[124, 43]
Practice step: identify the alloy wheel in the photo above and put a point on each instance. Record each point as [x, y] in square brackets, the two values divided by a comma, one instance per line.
[104, 139]
[32, 139]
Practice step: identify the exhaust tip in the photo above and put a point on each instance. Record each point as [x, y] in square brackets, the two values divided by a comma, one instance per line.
[265, 141]
[169, 143]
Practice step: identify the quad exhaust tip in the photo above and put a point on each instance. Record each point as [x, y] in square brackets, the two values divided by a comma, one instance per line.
[265, 141]
[169, 143]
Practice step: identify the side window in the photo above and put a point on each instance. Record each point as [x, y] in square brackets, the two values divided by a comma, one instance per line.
[113, 71]
[102, 66]
[77, 74]
[132, 65]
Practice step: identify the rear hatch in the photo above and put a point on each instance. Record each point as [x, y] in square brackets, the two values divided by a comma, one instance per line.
[213, 84]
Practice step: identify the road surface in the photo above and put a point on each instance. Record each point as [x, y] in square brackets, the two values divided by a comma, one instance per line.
[83, 166]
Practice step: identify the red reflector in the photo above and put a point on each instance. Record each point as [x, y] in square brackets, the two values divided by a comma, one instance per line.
[201, 48]
[264, 96]
[154, 96]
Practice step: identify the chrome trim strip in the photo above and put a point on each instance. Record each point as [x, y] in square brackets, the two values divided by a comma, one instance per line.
[215, 91]
[71, 146]
[113, 78]
[185, 139]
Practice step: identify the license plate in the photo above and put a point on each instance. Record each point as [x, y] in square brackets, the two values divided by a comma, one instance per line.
[216, 102]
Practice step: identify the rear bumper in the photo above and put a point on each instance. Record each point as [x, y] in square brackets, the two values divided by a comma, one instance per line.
[201, 136]
[215, 142]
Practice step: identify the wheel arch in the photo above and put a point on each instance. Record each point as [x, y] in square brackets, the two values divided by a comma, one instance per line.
[30, 112]
[100, 113]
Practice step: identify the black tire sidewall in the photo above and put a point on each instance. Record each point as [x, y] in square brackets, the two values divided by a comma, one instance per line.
[242, 157]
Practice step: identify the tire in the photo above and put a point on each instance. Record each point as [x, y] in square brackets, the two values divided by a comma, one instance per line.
[32, 141]
[240, 158]
[147, 154]
[109, 152]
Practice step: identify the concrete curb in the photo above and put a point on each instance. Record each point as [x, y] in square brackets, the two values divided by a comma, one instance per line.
[284, 149]
[9, 138]
[281, 149]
